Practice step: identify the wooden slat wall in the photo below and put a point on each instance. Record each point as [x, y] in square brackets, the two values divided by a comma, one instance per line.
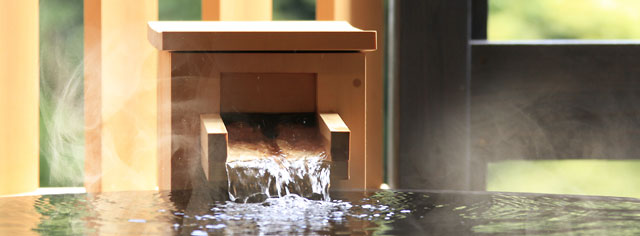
[237, 10]
[433, 67]
[19, 94]
[555, 100]
[120, 96]
[366, 15]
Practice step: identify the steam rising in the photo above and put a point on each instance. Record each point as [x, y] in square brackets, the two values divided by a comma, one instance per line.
[61, 93]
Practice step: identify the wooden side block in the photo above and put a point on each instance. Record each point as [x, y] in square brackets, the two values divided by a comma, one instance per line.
[213, 139]
[336, 134]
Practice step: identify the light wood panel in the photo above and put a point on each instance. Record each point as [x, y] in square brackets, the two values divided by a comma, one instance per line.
[120, 93]
[195, 90]
[237, 10]
[267, 92]
[366, 15]
[164, 120]
[260, 36]
[336, 134]
[19, 94]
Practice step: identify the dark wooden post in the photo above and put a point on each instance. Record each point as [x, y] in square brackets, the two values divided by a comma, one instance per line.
[433, 73]
[479, 18]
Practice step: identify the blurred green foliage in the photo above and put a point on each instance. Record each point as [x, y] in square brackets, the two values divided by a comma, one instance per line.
[294, 9]
[179, 9]
[61, 93]
[563, 19]
[585, 177]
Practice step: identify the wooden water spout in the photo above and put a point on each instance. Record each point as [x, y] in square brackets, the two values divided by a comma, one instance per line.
[209, 70]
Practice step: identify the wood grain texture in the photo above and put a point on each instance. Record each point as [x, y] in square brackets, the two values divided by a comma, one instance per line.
[195, 90]
[367, 15]
[336, 135]
[434, 86]
[92, 96]
[164, 120]
[259, 36]
[553, 100]
[237, 10]
[121, 70]
[268, 92]
[19, 96]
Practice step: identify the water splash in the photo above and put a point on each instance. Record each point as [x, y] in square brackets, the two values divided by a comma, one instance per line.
[257, 180]
[264, 165]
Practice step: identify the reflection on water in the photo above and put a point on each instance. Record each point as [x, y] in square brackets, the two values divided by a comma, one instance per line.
[523, 215]
[378, 212]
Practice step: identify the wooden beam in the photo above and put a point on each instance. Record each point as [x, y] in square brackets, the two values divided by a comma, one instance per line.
[19, 94]
[366, 15]
[336, 135]
[237, 10]
[555, 99]
[120, 96]
[260, 36]
[434, 84]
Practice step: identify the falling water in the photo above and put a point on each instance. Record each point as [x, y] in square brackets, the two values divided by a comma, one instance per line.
[265, 162]
[257, 180]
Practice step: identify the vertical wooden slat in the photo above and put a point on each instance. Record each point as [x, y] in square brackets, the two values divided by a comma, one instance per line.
[164, 120]
[479, 18]
[93, 96]
[433, 72]
[120, 93]
[367, 15]
[237, 10]
[19, 93]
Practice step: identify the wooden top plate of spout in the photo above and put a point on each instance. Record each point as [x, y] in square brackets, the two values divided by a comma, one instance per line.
[259, 36]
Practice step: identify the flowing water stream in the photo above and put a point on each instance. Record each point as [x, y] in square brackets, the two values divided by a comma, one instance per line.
[270, 159]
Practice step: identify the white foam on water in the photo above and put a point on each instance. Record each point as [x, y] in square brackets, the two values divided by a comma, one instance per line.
[277, 176]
